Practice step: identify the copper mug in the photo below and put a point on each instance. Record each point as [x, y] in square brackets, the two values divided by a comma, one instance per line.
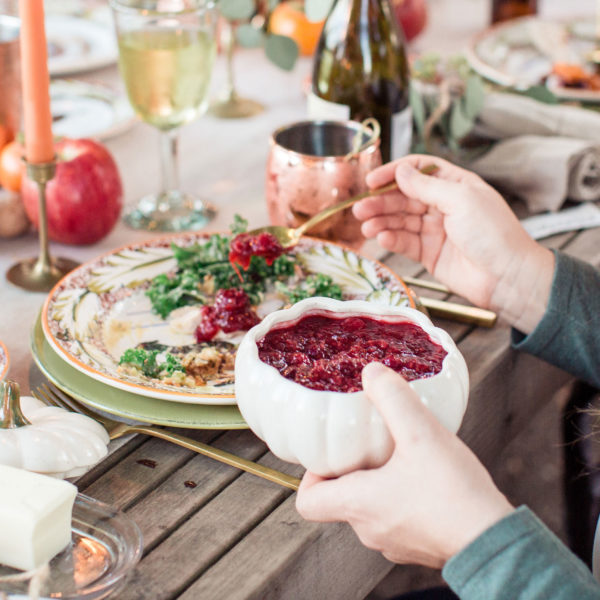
[10, 75]
[314, 164]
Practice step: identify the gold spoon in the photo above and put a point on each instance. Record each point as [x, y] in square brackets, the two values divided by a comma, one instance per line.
[290, 236]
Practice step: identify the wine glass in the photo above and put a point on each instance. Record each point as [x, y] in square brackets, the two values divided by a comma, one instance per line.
[166, 55]
[230, 105]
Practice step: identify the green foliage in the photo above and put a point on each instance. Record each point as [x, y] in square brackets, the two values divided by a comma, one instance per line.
[282, 51]
[146, 361]
[250, 36]
[239, 225]
[446, 97]
[252, 30]
[474, 97]
[168, 293]
[460, 123]
[540, 93]
[200, 264]
[317, 284]
[237, 10]
[417, 106]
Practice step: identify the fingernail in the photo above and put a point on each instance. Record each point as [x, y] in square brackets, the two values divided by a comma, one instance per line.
[373, 370]
[404, 170]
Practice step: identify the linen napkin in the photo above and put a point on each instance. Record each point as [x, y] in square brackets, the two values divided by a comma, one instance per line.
[544, 153]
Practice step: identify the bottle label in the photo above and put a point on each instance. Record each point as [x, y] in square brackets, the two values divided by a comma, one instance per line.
[401, 133]
[324, 110]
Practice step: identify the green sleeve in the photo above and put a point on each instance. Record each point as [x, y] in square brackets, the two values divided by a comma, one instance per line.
[519, 558]
[568, 335]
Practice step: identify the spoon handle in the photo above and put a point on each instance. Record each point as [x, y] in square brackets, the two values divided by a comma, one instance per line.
[429, 169]
[325, 214]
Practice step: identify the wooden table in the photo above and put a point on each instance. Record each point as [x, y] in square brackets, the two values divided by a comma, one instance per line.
[233, 535]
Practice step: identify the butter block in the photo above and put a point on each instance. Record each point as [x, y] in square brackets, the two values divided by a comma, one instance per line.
[35, 517]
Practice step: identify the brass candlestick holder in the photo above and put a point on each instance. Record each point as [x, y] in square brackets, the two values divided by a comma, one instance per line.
[41, 274]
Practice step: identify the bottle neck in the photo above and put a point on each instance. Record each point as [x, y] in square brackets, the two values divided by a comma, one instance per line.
[370, 17]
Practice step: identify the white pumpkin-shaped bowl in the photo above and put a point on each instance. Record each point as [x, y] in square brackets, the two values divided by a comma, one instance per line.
[331, 433]
[47, 439]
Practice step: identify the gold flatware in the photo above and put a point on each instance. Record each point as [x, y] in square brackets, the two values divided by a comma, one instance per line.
[428, 285]
[451, 310]
[459, 312]
[52, 396]
[290, 236]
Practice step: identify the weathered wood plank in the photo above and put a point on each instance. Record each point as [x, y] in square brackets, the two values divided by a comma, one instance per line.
[273, 560]
[190, 487]
[207, 535]
[507, 389]
[142, 470]
[118, 449]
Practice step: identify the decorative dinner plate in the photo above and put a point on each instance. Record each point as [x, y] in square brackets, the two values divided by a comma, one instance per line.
[521, 53]
[101, 309]
[81, 110]
[125, 404]
[4, 361]
[105, 545]
[76, 45]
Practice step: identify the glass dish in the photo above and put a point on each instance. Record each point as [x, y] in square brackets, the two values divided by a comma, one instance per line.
[105, 546]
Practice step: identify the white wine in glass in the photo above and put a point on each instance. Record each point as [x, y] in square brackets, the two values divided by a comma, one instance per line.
[166, 55]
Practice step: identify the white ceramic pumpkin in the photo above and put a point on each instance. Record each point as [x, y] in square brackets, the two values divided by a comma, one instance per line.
[331, 433]
[50, 440]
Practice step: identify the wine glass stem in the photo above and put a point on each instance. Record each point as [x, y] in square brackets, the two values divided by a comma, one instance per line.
[168, 161]
[230, 86]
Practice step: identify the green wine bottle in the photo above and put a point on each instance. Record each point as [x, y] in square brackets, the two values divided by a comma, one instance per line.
[361, 71]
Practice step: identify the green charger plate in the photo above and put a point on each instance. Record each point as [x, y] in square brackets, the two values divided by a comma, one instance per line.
[126, 404]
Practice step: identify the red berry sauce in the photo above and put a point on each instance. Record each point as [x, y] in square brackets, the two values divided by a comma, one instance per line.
[329, 353]
[231, 311]
[244, 246]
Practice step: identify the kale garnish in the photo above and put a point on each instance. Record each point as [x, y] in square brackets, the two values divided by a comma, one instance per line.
[316, 284]
[208, 263]
[145, 361]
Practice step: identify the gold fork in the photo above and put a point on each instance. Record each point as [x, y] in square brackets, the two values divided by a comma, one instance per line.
[52, 396]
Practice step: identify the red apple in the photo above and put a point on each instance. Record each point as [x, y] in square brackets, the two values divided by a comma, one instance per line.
[412, 16]
[84, 199]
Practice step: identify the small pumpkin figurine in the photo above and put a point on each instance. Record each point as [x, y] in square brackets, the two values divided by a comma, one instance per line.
[47, 439]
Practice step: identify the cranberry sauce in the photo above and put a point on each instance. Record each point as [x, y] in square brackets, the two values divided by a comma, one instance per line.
[231, 311]
[244, 246]
[329, 353]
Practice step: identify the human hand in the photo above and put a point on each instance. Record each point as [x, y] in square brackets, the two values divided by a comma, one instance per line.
[464, 233]
[429, 501]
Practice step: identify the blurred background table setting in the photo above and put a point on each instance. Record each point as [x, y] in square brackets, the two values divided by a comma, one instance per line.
[188, 117]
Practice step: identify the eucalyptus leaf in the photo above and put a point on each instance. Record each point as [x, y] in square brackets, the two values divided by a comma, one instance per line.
[317, 10]
[419, 147]
[237, 10]
[474, 96]
[541, 93]
[460, 123]
[281, 50]
[418, 109]
[249, 36]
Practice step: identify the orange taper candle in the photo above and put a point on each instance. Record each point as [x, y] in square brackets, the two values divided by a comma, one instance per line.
[39, 146]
